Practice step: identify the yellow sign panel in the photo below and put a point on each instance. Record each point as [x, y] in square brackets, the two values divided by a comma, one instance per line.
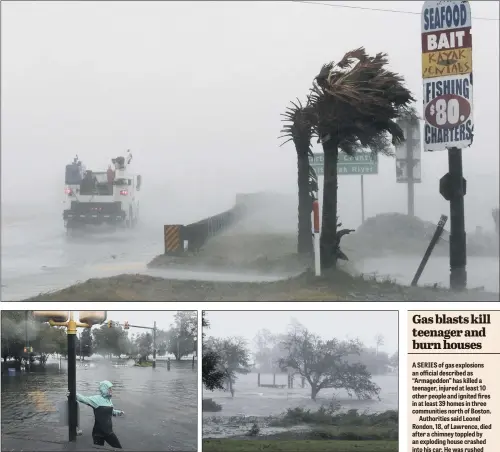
[447, 62]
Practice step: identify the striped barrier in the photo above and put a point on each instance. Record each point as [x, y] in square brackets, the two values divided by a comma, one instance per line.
[174, 243]
[197, 234]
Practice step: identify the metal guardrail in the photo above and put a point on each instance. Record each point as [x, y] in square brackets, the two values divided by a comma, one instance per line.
[197, 234]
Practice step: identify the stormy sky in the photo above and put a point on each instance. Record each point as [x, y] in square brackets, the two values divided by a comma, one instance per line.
[365, 325]
[195, 90]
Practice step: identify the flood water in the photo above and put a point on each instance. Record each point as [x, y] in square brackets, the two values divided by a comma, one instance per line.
[251, 401]
[48, 260]
[481, 271]
[160, 406]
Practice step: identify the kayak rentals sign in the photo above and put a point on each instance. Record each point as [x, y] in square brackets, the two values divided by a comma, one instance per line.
[447, 75]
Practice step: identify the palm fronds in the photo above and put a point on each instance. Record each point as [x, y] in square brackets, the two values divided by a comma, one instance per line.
[357, 99]
[298, 121]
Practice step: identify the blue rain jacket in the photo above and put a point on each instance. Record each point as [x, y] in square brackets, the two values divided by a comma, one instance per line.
[103, 409]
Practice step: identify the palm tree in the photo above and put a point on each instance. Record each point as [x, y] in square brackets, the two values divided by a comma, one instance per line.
[299, 129]
[356, 102]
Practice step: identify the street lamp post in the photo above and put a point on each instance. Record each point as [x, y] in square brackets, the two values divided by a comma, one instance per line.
[72, 406]
[154, 345]
[91, 318]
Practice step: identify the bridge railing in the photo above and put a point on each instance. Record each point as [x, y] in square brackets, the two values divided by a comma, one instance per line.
[197, 234]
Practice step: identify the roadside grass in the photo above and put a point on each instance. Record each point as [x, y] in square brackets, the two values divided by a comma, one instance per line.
[254, 445]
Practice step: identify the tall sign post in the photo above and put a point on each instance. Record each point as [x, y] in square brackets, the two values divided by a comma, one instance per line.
[408, 158]
[447, 90]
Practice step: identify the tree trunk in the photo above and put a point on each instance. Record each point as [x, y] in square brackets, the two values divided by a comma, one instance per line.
[304, 242]
[314, 391]
[328, 241]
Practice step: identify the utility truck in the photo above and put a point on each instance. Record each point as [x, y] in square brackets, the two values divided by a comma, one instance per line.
[101, 197]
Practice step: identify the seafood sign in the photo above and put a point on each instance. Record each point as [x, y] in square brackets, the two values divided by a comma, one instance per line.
[447, 74]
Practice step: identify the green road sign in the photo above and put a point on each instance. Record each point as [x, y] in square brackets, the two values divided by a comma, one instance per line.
[359, 164]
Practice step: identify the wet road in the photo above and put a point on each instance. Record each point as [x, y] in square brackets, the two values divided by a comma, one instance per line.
[160, 406]
[44, 259]
[250, 400]
[38, 257]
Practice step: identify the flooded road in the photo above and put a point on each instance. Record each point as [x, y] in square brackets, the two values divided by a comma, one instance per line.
[251, 401]
[160, 406]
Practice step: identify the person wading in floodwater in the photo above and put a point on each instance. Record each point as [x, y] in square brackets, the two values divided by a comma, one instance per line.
[103, 413]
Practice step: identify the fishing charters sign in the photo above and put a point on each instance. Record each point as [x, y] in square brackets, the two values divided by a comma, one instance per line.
[447, 74]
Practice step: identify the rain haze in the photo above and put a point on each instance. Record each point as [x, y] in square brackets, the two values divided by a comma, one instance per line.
[195, 90]
[364, 325]
[267, 390]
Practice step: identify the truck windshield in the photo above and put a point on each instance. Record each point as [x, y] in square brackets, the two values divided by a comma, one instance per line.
[73, 175]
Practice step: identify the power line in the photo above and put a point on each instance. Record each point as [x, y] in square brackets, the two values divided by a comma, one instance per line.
[375, 9]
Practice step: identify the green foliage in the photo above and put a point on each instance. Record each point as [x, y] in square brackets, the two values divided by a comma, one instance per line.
[254, 430]
[233, 356]
[144, 342]
[210, 406]
[181, 338]
[212, 373]
[325, 363]
[84, 344]
[394, 360]
[356, 104]
[331, 416]
[114, 341]
[44, 339]
[110, 341]
[283, 443]
[270, 350]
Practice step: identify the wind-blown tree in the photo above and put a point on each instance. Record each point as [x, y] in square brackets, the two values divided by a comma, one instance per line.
[182, 336]
[324, 364]
[269, 351]
[379, 341]
[394, 360]
[84, 344]
[356, 102]
[49, 340]
[299, 129]
[211, 370]
[110, 341]
[13, 334]
[233, 356]
[144, 343]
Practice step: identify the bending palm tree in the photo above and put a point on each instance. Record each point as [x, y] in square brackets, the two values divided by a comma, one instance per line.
[299, 129]
[356, 102]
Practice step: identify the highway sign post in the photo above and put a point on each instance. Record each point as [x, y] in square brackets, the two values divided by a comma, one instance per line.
[360, 164]
[408, 158]
[447, 88]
